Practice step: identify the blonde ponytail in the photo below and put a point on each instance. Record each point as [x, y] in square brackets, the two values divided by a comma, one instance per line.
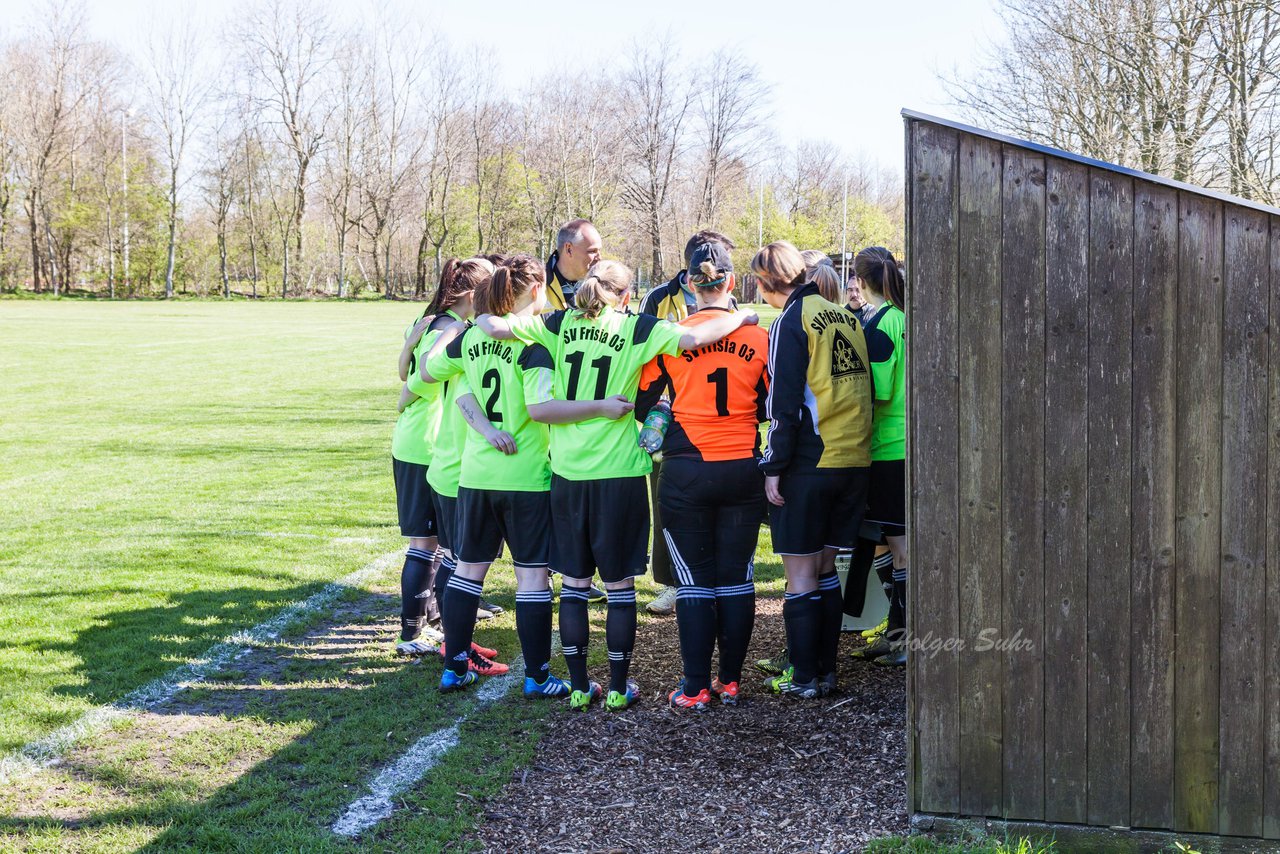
[603, 287]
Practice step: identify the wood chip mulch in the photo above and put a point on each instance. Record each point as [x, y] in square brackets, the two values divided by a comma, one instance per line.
[771, 775]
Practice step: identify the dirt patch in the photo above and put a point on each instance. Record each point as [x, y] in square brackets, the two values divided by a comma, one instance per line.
[770, 775]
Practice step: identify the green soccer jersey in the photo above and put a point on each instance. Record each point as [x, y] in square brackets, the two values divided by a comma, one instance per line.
[505, 376]
[415, 429]
[595, 359]
[446, 460]
[886, 352]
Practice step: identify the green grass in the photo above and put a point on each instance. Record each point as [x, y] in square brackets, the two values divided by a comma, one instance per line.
[173, 473]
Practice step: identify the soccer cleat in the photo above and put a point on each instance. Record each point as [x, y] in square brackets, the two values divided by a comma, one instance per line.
[774, 666]
[580, 701]
[482, 614]
[665, 603]
[595, 594]
[827, 685]
[552, 686]
[775, 683]
[617, 701]
[433, 634]
[494, 610]
[878, 647]
[895, 657]
[679, 700]
[477, 663]
[477, 648]
[876, 631]
[450, 681]
[801, 690]
[417, 646]
[726, 691]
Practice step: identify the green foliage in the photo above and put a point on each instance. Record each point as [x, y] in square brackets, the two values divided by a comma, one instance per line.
[975, 843]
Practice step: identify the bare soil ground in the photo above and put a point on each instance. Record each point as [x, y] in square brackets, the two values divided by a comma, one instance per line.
[771, 775]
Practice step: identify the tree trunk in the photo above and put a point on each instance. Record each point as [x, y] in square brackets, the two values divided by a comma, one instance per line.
[173, 241]
[33, 205]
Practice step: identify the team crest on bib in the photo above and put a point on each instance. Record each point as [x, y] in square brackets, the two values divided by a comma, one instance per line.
[844, 357]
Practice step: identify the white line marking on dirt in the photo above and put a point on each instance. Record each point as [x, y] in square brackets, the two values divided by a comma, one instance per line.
[46, 751]
[425, 754]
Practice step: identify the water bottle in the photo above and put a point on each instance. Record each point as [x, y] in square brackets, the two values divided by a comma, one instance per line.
[655, 427]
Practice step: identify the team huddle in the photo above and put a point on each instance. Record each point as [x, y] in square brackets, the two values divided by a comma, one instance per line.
[524, 388]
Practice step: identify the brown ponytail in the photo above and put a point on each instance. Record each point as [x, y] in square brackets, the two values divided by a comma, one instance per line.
[779, 266]
[879, 272]
[457, 280]
[513, 278]
[603, 287]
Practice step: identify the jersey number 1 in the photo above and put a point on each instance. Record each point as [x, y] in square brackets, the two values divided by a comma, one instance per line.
[720, 379]
[601, 366]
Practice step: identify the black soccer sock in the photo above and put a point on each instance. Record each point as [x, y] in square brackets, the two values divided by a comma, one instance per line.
[533, 626]
[696, 622]
[802, 613]
[884, 570]
[461, 598]
[429, 596]
[898, 606]
[832, 605]
[413, 585]
[575, 632]
[736, 616]
[443, 572]
[620, 635]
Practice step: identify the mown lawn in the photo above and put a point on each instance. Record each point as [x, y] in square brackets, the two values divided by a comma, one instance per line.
[173, 473]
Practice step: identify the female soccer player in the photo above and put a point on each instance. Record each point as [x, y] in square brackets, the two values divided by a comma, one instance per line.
[881, 281]
[599, 502]
[411, 446]
[711, 490]
[503, 492]
[817, 460]
[455, 302]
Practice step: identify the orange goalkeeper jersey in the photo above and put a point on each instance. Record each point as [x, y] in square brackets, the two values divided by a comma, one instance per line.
[717, 394]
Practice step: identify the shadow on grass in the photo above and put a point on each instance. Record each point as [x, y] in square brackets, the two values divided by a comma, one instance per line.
[267, 753]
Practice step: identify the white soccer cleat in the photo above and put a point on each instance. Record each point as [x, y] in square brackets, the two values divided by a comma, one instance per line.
[665, 604]
[417, 646]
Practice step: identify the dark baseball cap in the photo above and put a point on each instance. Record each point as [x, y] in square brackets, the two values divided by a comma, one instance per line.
[714, 252]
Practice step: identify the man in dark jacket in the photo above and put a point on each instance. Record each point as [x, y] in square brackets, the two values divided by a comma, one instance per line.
[577, 248]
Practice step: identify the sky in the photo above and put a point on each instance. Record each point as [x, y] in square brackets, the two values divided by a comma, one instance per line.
[841, 71]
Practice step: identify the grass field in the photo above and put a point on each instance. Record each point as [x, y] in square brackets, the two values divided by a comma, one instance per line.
[174, 473]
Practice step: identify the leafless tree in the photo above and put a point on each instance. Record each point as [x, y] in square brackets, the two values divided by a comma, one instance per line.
[341, 160]
[730, 108]
[177, 93]
[286, 44]
[655, 102]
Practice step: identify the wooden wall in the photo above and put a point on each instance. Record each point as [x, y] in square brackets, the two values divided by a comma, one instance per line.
[1094, 469]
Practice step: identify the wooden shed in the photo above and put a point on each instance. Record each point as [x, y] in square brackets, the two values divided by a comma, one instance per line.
[1094, 363]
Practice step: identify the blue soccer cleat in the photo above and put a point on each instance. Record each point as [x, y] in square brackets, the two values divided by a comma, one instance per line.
[552, 686]
[450, 681]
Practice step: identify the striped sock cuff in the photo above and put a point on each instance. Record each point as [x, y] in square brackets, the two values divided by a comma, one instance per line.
[448, 563]
[900, 574]
[789, 597]
[695, 593]
[883, 561]
[567, 592]
[533, 596]
[465, 585]
[419, 554]
[572, 651]
[829, 582]
[747, 589]
[626, 596]
[619, 656]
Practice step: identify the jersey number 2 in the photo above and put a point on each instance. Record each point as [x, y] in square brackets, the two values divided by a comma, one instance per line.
[601, 366]
[492, 378]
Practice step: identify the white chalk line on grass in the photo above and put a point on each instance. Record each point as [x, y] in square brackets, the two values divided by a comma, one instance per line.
[46, 751]
[425, 754]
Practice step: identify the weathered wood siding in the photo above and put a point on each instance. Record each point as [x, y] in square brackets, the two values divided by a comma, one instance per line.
[1094, 445]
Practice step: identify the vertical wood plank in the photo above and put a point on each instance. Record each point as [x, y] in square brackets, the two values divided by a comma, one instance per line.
[934, 482]
[979, 567]
[1199, 439]
[1246, 294]
[1022, 485]
[1110, 437]
[1271, 633]
[913, 753]
[1155, 302]
[1066, 473]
